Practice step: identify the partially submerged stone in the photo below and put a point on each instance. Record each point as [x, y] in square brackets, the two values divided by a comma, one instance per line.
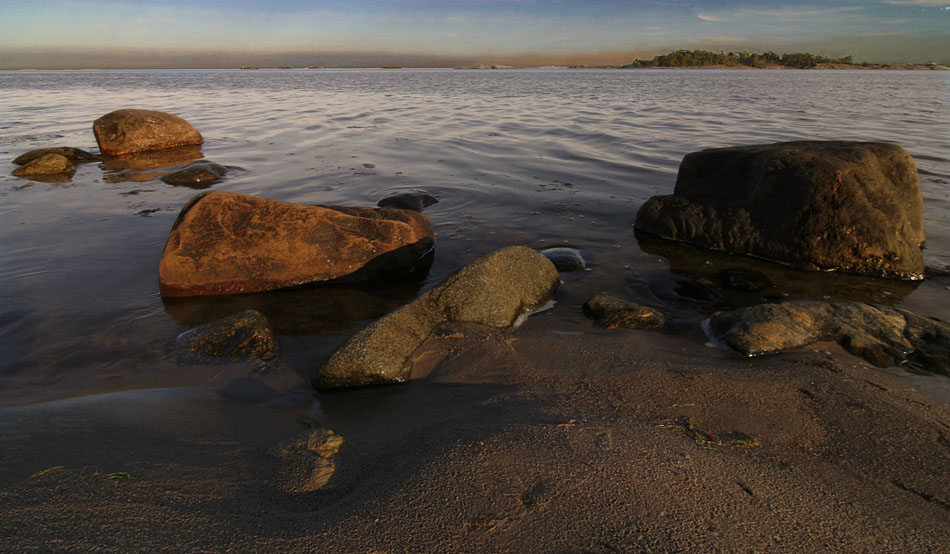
[75, 155]
[415, 201]
[882, 335]
[47, 165]
[128, 131]
[564, 258]
[613, 313]
[241, 336]
[196, 175]
[229, 243]
[848, 206]
[495, 290]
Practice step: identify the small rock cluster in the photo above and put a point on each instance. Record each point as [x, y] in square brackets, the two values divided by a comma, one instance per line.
[126, 135]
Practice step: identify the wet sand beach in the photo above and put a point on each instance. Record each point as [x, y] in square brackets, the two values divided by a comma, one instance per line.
[536, 439]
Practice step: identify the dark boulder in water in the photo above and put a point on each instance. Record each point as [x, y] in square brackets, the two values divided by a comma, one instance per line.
[743, 279]
[565, 259]
[75, 155]
[848, 206]
[882, 335]
[128, 131]
[415, 201]
[197, 175]
[229, 243]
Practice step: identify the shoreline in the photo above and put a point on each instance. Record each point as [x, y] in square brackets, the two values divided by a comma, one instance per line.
[820, 67]
[595, 441]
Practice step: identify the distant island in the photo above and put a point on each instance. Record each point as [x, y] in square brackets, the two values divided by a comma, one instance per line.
[797, 60]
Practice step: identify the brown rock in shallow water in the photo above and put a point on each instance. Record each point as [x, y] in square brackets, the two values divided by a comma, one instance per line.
[494, 290]
[239, 336]
[197, 175]
[228, 243]
[47, 164]
[75, 155]
[849, 206]
[129, 131]
[612, 313]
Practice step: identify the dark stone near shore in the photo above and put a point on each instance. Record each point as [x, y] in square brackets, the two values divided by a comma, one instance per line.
[241, 336]
[495, 290]
[613, 313]
[55, 166]
[848, 206]
[229, 243]
[128, 131]
[882, 335]
[743, 279]
[415, 201]
[197, 175]
[565, 259]
[75, 155]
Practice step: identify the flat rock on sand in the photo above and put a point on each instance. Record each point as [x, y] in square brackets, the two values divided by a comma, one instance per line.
[494, 290]
[229, 243]
[531, 440]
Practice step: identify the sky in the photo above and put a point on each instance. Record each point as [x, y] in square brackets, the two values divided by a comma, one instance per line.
[196, 33]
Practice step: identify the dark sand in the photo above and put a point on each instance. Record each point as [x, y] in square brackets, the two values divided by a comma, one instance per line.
[532, 440]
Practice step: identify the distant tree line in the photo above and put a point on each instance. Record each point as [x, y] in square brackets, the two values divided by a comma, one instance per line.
[701, 58]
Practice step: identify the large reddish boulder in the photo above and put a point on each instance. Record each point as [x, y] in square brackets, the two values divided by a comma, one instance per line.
[228, 243]
[129, 131]
[821, 205]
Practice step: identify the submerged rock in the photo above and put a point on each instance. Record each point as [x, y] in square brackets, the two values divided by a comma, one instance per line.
[197, 175]
[849, 206]
[415, 201]
[743, 279]
[47, 165]
[229, 243]
[241, 336]
[882, 335]
[495, 290]
[613, 313]
[565, 259]
[128, 131]
[75, 155]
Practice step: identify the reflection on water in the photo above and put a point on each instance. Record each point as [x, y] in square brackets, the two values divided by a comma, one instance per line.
[535, 157]
[704, 281]
[150, 165]
[314, 310]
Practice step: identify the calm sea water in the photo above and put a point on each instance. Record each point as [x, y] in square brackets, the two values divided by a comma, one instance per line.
[533, 157]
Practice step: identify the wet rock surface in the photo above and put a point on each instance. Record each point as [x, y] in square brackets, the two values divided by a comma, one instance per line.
[128, 131]
[613, 313]
[415, 201]
[197, 175]
[75, 155]
[565, 259]
[882, 335]
[228, 243]
[494, 290]
[847, 206]
[47, 165]
[241, 336]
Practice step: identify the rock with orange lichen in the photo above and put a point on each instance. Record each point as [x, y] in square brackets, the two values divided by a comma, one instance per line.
[229, 243]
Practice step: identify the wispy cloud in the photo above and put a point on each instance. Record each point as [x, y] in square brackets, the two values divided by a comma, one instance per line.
[936, 3]
[712, 18]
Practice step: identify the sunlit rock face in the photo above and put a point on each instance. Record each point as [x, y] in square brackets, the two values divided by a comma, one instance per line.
[229, 243]
[128, 131]
[847, 206]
